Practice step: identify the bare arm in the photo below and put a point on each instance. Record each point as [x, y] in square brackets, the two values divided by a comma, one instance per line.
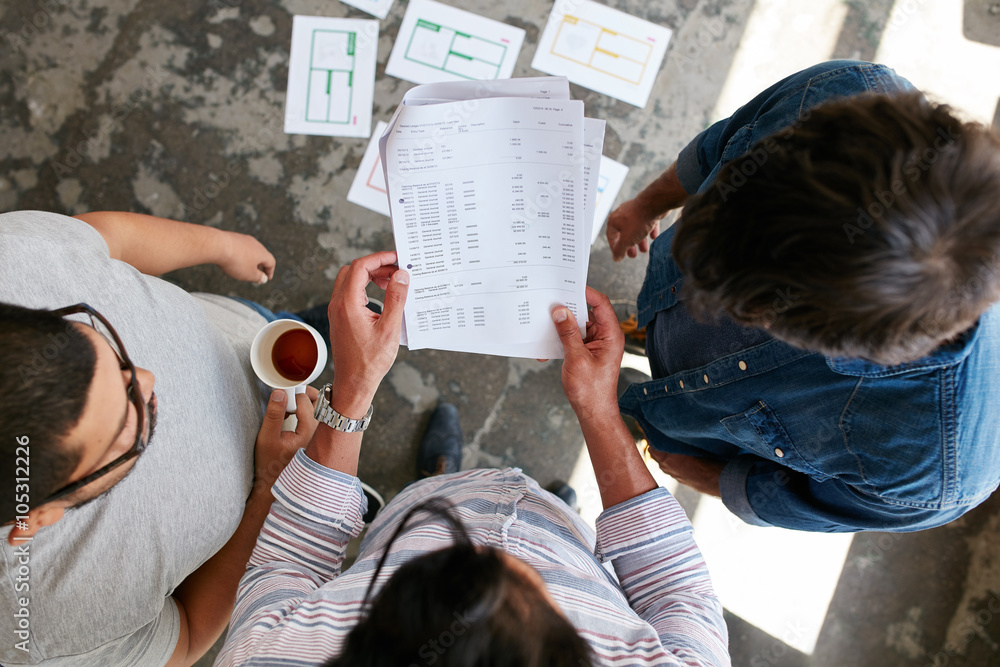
[364, 346]
[205, 598]
[589, 377]
[157, 245]
[635, 223]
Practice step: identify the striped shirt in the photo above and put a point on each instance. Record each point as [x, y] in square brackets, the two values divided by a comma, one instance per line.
[638, 591]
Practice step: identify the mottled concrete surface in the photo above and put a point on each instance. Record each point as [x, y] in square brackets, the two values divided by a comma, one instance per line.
[175, 109]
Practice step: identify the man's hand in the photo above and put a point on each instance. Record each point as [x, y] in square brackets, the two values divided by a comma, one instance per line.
[701, 475]
[246, 258]
[364, 345]
[275, 448]
[634, 224]
[631, 228]
[590, 370]
[590, 377]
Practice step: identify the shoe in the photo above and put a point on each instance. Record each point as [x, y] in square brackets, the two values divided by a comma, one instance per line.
[565, 493]
[375, 503]
[635, 338]
[440, 449]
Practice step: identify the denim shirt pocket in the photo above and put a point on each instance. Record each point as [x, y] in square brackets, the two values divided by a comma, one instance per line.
[759, 430]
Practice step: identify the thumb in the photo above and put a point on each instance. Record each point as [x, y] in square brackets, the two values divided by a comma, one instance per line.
[275, 415]
[569, 332]
[395, 298]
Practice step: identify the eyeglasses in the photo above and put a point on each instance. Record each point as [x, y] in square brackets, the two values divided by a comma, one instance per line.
[103, 327]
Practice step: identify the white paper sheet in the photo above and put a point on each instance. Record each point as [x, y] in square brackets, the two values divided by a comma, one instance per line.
[379, 8]
[593, 144]
[368, 188]
[492, 245]
[437, 42]
[608, 186]
[602, 49]
[331, 76]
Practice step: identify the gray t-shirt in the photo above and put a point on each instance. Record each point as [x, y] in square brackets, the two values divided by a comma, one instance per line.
[101, 578]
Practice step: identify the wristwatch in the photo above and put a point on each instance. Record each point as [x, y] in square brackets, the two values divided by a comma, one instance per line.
[327, 415]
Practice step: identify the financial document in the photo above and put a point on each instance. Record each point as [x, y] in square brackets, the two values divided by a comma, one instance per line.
[489, 203]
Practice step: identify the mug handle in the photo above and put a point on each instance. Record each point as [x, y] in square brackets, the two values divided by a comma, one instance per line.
[290, 392]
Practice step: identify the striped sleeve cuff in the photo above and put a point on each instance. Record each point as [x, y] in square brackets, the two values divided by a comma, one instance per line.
[321, 495]
[639, 523]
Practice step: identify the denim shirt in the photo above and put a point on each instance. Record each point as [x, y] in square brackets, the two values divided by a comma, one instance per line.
[811, 442]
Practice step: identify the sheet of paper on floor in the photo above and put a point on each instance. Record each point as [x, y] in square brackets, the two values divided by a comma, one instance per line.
[379, 8]
[331, 76]
[437, 42]
[608, 186]
[602, 49]
[368, 188]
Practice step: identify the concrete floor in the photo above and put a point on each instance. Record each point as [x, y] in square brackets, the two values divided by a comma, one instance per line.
[176, 109]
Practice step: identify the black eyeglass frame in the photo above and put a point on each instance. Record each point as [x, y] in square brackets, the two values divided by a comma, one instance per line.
[133, 393]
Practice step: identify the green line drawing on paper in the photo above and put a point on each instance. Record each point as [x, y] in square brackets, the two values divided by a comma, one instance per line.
[455, 52]
[330, 91]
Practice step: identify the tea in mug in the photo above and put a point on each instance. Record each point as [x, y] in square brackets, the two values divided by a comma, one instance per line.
[294, 355]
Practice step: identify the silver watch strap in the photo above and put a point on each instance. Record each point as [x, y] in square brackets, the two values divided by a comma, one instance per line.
[326, 414]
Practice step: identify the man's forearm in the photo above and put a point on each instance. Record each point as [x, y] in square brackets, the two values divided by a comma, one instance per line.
[664, 194]
[206, 597]
[157, 245]
[621, 472]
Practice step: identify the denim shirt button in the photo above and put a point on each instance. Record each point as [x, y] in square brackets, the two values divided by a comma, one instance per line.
[705, 377]
[666, 389]
[777, 452]
[645, 392]
[682, 384]
[743, 365]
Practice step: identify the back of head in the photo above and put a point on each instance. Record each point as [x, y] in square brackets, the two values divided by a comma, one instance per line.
[870, 229]
[46, 366]
[462, 606]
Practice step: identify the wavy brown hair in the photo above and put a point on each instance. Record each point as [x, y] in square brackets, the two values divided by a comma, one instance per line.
[869, 229]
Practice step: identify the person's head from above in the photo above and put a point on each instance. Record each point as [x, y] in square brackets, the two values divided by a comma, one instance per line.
[870, 229]
[462, 606]
[75, 413]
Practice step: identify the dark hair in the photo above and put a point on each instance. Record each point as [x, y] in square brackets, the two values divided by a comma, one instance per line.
[462, 606]
[869, 229]
[46, 367]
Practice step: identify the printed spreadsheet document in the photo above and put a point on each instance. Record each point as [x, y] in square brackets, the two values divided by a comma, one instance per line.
[492, 201]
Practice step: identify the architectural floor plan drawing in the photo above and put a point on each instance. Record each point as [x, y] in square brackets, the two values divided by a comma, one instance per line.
[602, 49]
[609, 183]
[455, 52]
[368, 188]
[437, 42]
[331, 76]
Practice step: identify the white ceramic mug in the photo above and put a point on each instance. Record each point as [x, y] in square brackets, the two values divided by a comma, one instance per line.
[263, 366]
